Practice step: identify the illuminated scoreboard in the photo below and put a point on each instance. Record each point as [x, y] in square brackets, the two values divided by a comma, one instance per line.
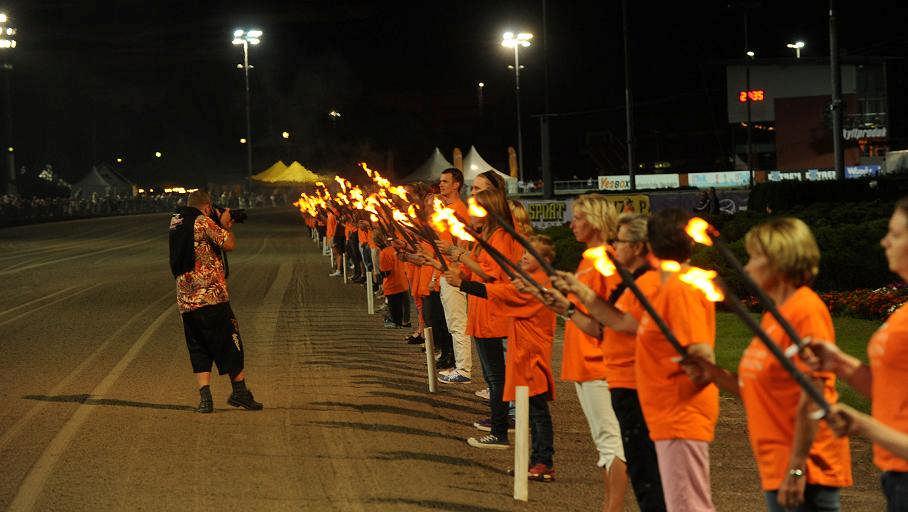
[754, 95]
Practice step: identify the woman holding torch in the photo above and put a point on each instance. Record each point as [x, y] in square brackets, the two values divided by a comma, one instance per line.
[486, 319]
[883, 380]
[802, 464]
[680, 414]
[615, 319]
[593, 223]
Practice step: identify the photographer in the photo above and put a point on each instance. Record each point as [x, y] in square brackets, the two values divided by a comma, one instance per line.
[199, 234]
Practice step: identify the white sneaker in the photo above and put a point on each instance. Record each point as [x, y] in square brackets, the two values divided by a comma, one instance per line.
[483, 393]
[335, 273]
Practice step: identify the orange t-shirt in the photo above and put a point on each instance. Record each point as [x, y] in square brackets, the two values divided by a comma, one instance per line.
[530, 335]
[486, 318]
[581, 359]
[349, 229]
[771, 398]
[364, 236]
[673, 407]
[619, 348]
[396, 279]
[331, 227]
[888, 355]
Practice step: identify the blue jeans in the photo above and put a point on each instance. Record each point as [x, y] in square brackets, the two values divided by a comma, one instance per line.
[491, 356]
[895, 487]
[541, 428]
[817, 498]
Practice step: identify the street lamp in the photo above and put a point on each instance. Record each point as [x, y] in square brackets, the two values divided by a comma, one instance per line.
[245, 38]
[479, 90]
[158, 154]
[285, 135]
[796, 46]
[510, 40]
[334, 113]
[7, 43]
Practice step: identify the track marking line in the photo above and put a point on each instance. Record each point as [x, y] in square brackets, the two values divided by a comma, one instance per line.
[33, 484]
[49, 304]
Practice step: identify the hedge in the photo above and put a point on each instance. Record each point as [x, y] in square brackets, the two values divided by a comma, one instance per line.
[848, 235]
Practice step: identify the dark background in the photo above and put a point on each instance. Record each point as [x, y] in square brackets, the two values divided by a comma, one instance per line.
[94, 80]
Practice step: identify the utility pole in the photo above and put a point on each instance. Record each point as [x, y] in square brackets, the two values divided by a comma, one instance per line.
[837, 143]
[628, 99]
[548, 188]
[750, 128]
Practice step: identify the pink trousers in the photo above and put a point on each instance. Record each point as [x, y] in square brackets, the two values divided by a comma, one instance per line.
[684, 468]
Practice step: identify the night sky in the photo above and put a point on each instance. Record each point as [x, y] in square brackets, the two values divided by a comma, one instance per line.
[94, 80]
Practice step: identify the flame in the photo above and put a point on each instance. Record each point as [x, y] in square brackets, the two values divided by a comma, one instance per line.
[670, 266]
[411, 211]
[399, 216]
[602, 262]
[343, 183]
[444, 219]
[698, 229]
[475, 209]
[701, 279]
[400, 192]
[373, 217]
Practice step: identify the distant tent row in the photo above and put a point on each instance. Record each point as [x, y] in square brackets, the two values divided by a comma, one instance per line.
[473, 165]
[103, 181]
[283, 174]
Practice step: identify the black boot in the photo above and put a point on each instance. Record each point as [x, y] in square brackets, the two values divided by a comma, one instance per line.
[242, 397]
[206, 405]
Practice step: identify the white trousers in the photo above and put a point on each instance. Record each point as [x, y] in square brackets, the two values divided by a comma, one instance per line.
[596, 402]
[454, 303]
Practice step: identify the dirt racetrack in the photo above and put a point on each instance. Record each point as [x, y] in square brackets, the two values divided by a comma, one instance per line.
[97, 397]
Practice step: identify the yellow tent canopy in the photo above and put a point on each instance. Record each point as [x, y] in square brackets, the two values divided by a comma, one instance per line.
[296, 174]
[269, 173]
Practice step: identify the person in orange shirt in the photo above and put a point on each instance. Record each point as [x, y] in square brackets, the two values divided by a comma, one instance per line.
[680, 414]
[529, 356]
[883, 380]
[801, 462]
[338, 241]
[486, 320]
[394, 284]
[615, 319]
[593, 222]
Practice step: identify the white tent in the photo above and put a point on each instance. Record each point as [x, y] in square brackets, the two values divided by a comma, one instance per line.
[474, 165]
[430, 170]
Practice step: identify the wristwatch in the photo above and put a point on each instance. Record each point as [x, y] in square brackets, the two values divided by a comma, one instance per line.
[569, 312]
[797, 473]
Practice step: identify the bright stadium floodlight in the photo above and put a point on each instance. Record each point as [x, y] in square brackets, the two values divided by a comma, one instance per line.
[796, 46]
[510, 40]
[245, 38]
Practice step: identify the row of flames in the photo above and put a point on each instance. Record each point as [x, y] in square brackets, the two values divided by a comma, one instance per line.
[390, 205]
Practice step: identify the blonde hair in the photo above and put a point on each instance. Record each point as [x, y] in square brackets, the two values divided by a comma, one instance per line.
[600, 214]
[789, 246]
[545, 246]
[521, 218]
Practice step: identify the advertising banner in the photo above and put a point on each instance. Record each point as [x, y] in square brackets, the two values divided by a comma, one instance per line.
[643, 181]
[556, 212]
[719, 179]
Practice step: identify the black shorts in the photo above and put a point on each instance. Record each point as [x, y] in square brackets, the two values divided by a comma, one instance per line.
[339, 242]
[212, 335]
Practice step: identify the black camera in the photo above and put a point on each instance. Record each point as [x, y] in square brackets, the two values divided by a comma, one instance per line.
[238, 216]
